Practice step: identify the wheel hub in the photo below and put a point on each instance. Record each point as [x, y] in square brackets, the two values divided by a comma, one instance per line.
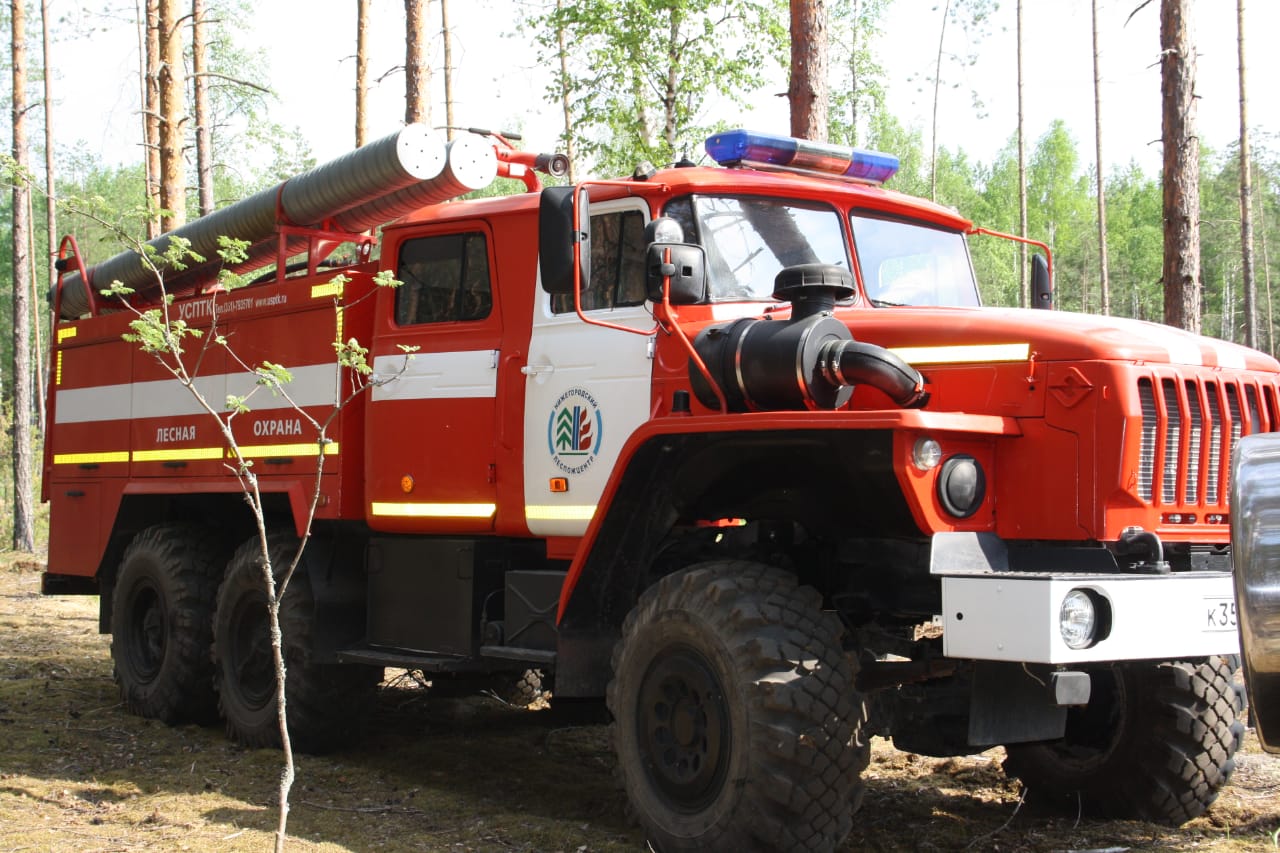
[147, 633]
[683, 728]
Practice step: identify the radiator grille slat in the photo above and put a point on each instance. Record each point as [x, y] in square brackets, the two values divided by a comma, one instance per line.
[1147, 448]
[1172, 443]
[1195, 437]
[1215, 444]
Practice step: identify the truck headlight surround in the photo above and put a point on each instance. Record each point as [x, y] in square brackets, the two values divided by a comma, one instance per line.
[1084, 618]
[962, 485]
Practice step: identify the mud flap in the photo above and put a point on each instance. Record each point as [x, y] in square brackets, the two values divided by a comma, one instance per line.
[1255, 548]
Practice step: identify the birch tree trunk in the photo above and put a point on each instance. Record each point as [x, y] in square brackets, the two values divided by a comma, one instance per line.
[1181, 168]
[570, 144]
[447, 39]
[1104, 275]
[1024, 285]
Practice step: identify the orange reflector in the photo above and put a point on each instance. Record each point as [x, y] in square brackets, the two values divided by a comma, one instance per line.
[406, 484]
[559, 484]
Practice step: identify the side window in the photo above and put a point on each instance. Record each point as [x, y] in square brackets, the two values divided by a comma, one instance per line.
[445, 279]
[617, 264]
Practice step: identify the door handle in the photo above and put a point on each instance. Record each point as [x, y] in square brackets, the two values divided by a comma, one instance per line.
[538, 369]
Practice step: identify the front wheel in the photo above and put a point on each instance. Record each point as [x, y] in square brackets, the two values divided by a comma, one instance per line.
[1156, 742]
[736, 725]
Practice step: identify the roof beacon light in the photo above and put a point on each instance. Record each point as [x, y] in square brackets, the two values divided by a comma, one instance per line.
[765, 150]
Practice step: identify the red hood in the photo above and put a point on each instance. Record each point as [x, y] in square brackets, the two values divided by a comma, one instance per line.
[1052, 336]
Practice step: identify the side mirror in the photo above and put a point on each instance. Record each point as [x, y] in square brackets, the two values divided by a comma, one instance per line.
[686, 264]
[1041, 285]
[558, 232]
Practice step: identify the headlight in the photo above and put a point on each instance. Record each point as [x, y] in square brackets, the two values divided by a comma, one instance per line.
[1078, 620]
[926, 454]
[962, 485]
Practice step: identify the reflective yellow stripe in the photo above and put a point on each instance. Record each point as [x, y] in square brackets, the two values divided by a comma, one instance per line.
[90, 458]
[177, 453]
[331, 289]
[257, 451]
[960, 354]
[57, 373]
[69, 332]
[581, 512]
[430, 510]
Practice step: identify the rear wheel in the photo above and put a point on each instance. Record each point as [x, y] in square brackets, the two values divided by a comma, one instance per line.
[326, 702]
[736, 723]
[1156, 742]
[162, 623]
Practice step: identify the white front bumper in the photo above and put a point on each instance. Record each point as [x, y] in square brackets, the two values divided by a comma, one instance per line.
[1013, 616]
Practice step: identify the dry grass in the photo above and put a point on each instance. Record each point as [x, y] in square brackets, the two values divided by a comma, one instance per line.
[77, 773]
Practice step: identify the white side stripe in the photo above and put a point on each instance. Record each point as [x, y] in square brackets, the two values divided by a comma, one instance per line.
[436, 375]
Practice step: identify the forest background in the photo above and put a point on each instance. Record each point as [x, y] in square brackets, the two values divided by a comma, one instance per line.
[932, 82]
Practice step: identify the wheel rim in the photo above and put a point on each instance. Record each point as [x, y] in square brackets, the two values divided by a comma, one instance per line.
[148, 632]
[683, 728]
[252, 669]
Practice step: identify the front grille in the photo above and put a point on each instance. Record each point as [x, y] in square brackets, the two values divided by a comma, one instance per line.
[1189, 429]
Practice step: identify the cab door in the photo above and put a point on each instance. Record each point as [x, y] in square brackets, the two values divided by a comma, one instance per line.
[430, 461]
[588, 387]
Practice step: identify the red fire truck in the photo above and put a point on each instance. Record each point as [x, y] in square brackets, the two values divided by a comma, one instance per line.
[735, 447]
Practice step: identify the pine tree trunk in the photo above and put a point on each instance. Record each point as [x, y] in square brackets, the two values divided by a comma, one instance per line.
[200, 88]
[807, 93]
[50, 209]
[1248, 283]
[1104, 274]
[151, 114]
[173, 181]
[1181, 168]
[417, 71]
[23, 502]
[362, 71]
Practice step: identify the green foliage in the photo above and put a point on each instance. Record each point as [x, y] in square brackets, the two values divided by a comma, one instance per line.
[643, 70]
[857, 78]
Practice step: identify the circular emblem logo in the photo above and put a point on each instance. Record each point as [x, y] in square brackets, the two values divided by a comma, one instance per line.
[574, 431]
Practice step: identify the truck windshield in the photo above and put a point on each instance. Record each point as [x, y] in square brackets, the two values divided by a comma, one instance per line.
[749, 239]
[910, 263]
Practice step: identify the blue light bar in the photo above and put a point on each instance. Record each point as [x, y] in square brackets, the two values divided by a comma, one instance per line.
[748, 148]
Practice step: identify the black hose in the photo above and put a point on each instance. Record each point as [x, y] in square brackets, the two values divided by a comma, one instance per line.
[855, 362]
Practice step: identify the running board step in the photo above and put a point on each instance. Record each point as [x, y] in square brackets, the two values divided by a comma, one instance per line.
[405, 659]
[542, 657]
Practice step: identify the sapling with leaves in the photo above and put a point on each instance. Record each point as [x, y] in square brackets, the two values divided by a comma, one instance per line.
[161, 332]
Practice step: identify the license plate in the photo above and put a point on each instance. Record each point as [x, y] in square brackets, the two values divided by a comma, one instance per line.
[1220, 614]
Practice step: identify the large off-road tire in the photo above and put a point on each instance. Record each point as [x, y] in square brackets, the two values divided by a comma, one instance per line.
[1156, 742]
[326, 702]
[736, 725]
[162, 623]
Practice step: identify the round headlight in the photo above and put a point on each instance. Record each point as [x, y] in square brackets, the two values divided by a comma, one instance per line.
[1078, 620]
[926, 454]
[961, 486]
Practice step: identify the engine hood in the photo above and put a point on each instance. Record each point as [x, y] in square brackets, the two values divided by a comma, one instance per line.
[1052, 336]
